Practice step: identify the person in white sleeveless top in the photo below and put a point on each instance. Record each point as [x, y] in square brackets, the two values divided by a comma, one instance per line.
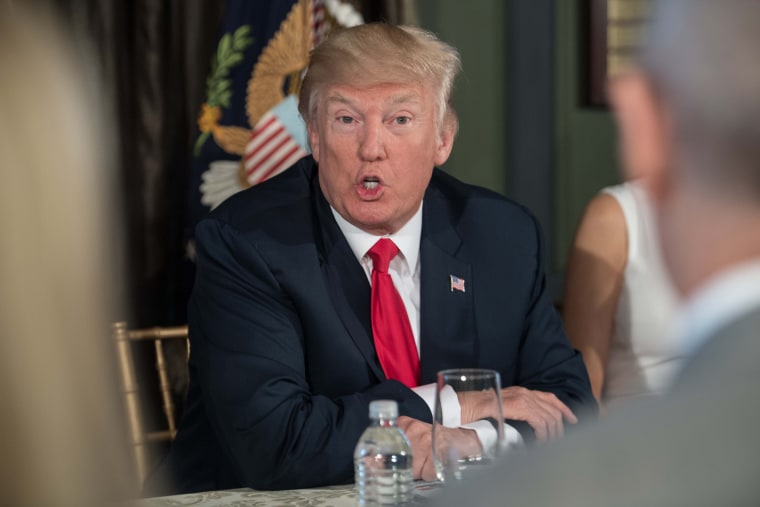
[619, 299]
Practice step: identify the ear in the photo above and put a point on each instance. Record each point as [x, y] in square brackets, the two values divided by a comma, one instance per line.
[644, 131]
[445, 143]
[313, 133]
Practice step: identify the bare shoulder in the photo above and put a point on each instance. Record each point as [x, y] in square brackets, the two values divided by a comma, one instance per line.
[604, 211]
[602, 230]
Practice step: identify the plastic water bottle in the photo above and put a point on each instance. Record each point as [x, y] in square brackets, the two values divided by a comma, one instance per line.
[383, 459]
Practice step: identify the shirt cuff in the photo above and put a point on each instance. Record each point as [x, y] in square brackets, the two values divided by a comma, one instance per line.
[487, 434]
[452, 417]
[452, 412]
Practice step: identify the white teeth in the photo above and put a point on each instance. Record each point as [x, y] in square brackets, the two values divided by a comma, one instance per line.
[370, 185]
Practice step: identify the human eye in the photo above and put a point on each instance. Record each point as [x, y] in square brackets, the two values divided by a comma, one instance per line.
[346, 120]
[402, 120]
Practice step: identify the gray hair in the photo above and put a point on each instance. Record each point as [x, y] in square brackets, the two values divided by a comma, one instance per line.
[376, 53]
[703, 58]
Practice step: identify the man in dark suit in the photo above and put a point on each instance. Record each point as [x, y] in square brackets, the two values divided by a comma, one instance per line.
[286, 353]
[689, 119]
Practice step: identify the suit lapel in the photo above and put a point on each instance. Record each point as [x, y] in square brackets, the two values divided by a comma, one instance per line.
[345, 281]
[447, 316]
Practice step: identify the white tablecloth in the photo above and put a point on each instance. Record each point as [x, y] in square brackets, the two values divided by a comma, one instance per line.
[331, 496]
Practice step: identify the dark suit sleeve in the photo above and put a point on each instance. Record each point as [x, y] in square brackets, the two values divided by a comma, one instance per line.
[248, 351]
[547, 361]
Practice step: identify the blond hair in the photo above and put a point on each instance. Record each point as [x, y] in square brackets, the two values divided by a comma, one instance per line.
[377, 53]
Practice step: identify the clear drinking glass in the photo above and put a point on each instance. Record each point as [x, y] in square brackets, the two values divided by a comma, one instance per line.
[462, 447]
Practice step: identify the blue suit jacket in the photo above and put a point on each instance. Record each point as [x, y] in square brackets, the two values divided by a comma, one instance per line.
[283, 365]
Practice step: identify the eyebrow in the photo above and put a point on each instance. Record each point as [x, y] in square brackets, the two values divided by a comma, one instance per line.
[398, 99]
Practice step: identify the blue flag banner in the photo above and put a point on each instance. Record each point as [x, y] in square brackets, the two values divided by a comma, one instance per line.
[249, 128]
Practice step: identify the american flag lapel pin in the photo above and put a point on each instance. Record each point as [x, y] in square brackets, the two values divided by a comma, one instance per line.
[456, 283]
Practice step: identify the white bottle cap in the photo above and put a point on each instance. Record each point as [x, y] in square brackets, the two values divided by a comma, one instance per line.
[383, 409]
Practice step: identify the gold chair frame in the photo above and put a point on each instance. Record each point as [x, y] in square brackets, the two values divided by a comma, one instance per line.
[139, 437]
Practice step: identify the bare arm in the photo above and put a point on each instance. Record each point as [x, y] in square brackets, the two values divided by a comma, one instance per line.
[594, 277]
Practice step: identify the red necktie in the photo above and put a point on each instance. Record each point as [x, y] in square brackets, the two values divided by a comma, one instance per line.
[394, 340]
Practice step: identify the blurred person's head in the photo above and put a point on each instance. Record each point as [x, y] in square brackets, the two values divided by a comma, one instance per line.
[60, 418]
[376, 99]
[689, 120]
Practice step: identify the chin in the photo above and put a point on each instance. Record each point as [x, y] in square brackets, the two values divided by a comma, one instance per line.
[369, 217]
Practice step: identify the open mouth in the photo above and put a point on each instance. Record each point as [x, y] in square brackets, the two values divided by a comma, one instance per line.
[370, 183]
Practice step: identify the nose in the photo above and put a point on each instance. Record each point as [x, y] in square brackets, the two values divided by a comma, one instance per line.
[372, 142]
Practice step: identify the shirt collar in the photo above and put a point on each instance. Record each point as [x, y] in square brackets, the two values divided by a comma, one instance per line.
[407, 238]
[723, 299]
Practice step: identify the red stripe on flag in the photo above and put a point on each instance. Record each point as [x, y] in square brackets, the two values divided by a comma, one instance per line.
[317, 22]
[270, 148]
[265, 142]
[280, 162]
[261, 127]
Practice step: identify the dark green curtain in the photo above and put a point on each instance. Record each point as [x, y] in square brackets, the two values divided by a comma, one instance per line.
[154, 56]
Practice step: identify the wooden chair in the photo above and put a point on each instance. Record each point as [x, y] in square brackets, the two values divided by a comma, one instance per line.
[136, 399]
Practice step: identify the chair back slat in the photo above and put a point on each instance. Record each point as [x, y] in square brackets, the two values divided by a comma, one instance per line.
[131, 393]
[166, 392]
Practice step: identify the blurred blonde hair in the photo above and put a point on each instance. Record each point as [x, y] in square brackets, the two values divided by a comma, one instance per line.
[60, 424]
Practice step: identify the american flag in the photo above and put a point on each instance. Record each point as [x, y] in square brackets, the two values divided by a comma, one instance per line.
[456, 283]
[278, 139]
[270, 150]
[272, 147]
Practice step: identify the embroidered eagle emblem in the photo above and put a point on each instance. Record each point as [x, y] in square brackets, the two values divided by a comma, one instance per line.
[277, 135]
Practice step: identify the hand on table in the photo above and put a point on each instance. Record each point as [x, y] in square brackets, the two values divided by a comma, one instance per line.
[420, 435]
[543, 411]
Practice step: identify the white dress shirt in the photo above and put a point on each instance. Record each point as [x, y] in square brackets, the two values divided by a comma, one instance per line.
[404, 270]
[721, 300]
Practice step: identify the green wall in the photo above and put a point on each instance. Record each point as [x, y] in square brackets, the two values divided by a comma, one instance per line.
[584, 137]
[480, 149]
